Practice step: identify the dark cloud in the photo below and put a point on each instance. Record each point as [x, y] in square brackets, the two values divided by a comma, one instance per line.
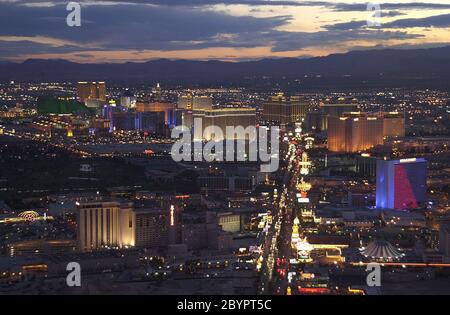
[191, 3]
[13, 48]
[432, 21]
[171, 25]
[361, 7]
[136, 26]
[346, 26]
[393, 13]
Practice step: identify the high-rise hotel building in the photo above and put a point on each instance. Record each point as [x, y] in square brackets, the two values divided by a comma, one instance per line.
[317, 121]
[111, 223]
[152, 228]
[358, 131]
[188, 104]
[336, 108]
[95, 91]
[223, 118]
[281, 109]
[186, 101]
[167, 108]
[105, 224]
[393, 124]
[401, 184]
[191, 102]
[354, 132]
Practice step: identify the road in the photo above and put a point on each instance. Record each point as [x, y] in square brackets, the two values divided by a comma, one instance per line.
[276, 241]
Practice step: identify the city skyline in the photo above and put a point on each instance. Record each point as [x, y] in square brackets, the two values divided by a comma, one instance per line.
[91, 177]
[212, 29]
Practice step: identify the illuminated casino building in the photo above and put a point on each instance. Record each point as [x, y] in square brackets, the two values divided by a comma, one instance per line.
[401, 184]
[359, 131]
[152, 122]
[59, 106]
[105, 224]
[154, 107]
[87, 91]
[191, 102]
[128, 100]
[222, 118]
[110, 223]
[281, 109]
[381, 250]
[393, 124]
[201, 102]
[189, 106]
[353, 132]
[186, 101]
[157, 93]
[336, 108]
[304, 250]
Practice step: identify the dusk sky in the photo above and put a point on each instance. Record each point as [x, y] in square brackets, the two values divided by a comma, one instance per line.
[120, 31]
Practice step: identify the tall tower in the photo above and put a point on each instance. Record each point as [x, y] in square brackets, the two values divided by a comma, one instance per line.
[158, 93]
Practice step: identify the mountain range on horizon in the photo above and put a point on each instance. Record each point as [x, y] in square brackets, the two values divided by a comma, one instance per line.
[389, 68]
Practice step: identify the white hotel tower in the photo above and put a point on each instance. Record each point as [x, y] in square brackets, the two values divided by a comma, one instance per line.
[103, 224]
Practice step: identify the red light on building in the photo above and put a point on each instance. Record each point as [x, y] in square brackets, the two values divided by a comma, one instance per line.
[313, 290]
[182, 196]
